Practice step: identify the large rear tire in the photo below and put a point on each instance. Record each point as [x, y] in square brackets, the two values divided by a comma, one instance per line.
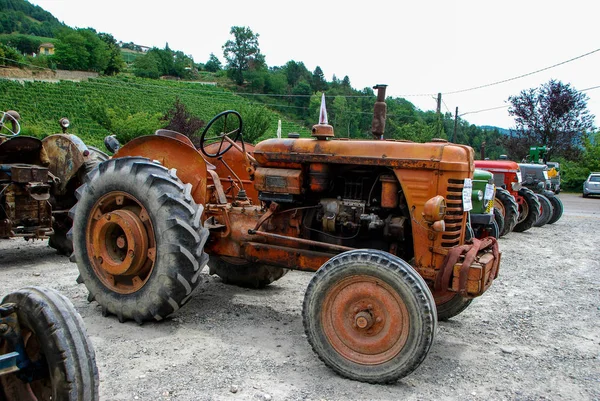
[499, 219]
[509, 208]
[138, 239]
[243, 273]
[557, 206]
[52, 332]
[369, 316]
[529, 210]
[546, 211]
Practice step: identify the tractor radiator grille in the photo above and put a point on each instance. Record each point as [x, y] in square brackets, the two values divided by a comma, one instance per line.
[454, 214]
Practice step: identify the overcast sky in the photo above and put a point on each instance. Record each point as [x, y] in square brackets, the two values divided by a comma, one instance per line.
[424, 47]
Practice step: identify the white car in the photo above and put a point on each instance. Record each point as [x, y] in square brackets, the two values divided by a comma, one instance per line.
[591, 186]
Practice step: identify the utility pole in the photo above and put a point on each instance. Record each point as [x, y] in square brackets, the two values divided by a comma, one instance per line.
[438, 110]
[455, 124]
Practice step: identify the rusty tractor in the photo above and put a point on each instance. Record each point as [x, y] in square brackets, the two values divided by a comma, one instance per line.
[45, 353]
[38, 179]
[381, 222]
[507, 178]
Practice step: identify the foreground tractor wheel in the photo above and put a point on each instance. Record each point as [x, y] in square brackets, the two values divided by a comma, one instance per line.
[529, 210]
[138, 239]
[56, 343]
[499, 219]
[546, 211]
[244, 274]
[450, 305]
[369, 316]
[509, 209]
[557, 209]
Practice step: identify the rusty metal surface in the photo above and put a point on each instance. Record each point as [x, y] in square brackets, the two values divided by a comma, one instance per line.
[21, 149]
[379, 113]
[365, 320]
[172, 153]
[24, 173]
[287, 257]
[66, 154]
[24, 215]
[278, 180]
[395, 154]
[120, 242]
[236, 161]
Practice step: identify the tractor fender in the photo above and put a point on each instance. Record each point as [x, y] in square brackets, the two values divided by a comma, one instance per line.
[172, 153]
[66, 154]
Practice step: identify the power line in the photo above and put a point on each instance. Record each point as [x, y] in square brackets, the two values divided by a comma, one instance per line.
[523, 75]
[482, 110]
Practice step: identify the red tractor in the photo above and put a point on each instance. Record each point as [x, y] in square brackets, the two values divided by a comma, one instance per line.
[507, 178]
[381, 222]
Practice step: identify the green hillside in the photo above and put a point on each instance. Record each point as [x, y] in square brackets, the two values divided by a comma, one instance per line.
[42, 104]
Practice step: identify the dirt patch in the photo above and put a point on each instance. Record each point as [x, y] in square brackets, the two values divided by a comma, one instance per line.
[45, 74]
[533, 336]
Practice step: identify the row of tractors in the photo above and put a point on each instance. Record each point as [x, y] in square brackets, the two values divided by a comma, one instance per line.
[399, 234]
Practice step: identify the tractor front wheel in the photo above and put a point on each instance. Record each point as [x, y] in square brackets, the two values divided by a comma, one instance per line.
[369, 316]
[529, 210]
[557, 206]
[244, 274]
[138, 241]
[508, 207]
[63, 362]
[546, 211]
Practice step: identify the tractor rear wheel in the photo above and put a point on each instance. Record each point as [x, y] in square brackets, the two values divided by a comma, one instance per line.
[546, 211]
[139, 243]
[557, 209]
[369, 316]
[56, 343]
[529, 210]
[499, 219]
[243, 273]
[509, 208]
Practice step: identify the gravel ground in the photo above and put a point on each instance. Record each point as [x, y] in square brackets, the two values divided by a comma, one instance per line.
[533, 336]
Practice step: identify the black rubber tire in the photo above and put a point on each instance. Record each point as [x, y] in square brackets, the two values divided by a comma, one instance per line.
[59, 332]
[179, 235]
[533, 210]
[62, 225]
[546, 211]
[453, 307]
[244, 274]
[396, 275]
[499, 219]
[511, 210]
[558, 208]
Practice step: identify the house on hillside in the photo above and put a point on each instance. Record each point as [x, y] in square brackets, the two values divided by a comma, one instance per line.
[46, 48]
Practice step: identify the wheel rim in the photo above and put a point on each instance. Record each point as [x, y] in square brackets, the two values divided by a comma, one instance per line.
[17, 390]
[120, 242]
[365, 320]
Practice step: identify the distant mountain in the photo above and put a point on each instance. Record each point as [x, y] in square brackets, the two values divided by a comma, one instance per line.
[503, 131]
[20, 16]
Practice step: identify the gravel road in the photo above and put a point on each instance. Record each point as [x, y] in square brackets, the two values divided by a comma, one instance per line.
[535, 335]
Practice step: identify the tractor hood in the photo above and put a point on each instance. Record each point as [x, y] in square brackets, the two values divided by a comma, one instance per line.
[292, 153]
[497, 166]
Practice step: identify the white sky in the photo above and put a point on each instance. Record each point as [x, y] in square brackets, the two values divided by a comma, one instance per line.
[423, 47]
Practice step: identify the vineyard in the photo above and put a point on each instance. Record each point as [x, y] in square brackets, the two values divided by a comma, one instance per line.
[42, 104]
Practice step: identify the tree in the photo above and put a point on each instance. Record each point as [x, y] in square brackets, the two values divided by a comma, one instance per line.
[318, 80]
[115, 62]
[179, 119]
[554, 115]
[213, 64]
[241, 51]
[147, 66]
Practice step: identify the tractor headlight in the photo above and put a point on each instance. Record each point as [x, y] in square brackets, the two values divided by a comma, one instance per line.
[64, 122]
[479, 195]
[434, 209]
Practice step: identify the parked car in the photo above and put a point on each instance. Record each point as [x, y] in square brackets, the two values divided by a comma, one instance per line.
[591, 186]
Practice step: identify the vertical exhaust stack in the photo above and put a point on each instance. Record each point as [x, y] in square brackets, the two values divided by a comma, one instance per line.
[379, 113]
[322, 130]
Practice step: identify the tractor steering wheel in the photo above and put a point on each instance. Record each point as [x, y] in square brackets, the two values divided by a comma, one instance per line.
[223, 130]
[11, 117]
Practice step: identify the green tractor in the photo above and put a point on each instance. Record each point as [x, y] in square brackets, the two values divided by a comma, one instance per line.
[485, 220]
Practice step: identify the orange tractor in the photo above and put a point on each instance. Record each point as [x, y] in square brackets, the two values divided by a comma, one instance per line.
[381, 222]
